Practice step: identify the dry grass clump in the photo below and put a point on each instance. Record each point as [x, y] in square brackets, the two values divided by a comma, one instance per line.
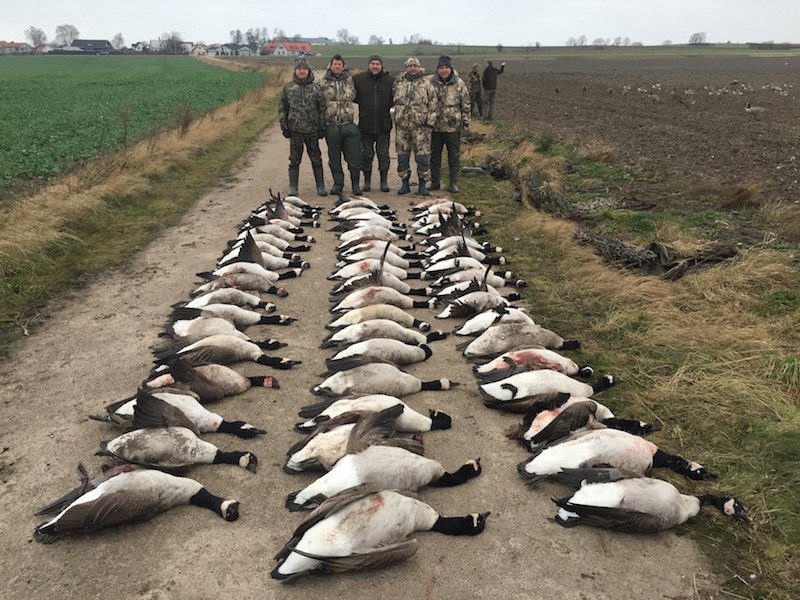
[748, 194]
[31, 225]
[598, 151]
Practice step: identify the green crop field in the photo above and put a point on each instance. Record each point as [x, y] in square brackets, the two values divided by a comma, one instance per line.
[62, 109]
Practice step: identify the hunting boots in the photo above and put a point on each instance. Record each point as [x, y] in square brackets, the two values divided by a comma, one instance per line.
[453, 182]
[436, 183]
[367, 181]
[384, 181]
[354, 177]
[294, 175]
[423, 190]
[405, 188]
[319, 178]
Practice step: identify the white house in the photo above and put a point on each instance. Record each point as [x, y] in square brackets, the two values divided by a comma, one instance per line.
[15, 48]
[140, 47]
[199, 50]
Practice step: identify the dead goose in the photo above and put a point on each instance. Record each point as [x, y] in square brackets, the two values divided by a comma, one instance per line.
[756, 111]
[372, 232]
[459, 263]
[409, 420]
[251, 268]
[504, 337]
[362, 528]
[378, 295]
[505, 278]
[502, 314]
[386, 467]
[272, 240]
[126, 495]
[475, 302]
[240, 281]
[378, 328]
[376, 253]
[516, 361]
[172, 448]
[607, 447]
[224, 349]
[236, 315]
[380, 278]
[166, 407]
[636, 505]
[369, 265]
[395, 351]
[228, 296]
[542, 381]
[369, 376]
[248, 251]
[279, 232]
[378, 311]
[197, 328]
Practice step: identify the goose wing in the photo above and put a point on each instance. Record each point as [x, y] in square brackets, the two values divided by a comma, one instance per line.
[619, 519]
[372, 427]
[576, 477]
[537, 402]
[351, 362]
[375, 558]
[154, 412]
[571, 418]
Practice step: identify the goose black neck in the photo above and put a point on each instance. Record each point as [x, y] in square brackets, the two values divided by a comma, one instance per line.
[228, 458]
[629, 425]
[206, 499]
[680, 465]
[436, 384]
[464, 474]
[455, 525]
[716, 501]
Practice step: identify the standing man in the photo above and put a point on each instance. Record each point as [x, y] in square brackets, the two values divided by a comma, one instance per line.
[490, 74]
[302, 118]
[341, 132]
[414, 116]
[452, 117]
[474, 84]
[374, 93]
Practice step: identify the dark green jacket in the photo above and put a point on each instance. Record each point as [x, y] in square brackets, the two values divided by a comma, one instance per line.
[374, 98]
[302, 106]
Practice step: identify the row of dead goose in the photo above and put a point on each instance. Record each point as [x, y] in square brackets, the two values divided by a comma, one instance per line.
[166, 416]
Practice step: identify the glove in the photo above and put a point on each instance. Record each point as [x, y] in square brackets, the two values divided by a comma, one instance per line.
[286, 133]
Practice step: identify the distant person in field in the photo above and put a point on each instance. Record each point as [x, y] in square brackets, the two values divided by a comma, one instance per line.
[374, 97]
[341, 133]
[489, 81]
[474, 85]
[302, 118]
[414, 117]
[452, 117]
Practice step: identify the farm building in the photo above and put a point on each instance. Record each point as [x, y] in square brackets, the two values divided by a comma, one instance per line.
[199, 50]
[140, 47]
[287, 48]
[249, 50]
[15, 48]
[317, 41]
[93, 46]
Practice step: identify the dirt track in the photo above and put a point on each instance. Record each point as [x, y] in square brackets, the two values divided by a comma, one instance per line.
[95, 349]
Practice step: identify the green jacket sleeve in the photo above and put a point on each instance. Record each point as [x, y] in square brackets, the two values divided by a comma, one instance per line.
[433, 105]
[466, 105]
[283, 111]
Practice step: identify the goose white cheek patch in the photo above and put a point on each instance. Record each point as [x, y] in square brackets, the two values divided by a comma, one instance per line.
[729, 508]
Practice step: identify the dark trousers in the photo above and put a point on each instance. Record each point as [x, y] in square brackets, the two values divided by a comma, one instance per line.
[452, 141]
[475, 104]
[311, 143]
[372, 144]
[343, 139]
[488, 104]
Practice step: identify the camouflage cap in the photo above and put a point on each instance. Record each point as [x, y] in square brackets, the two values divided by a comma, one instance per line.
[301, 63]
[412, 62]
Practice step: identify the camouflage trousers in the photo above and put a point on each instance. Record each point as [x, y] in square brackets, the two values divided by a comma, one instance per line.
[311, 142]
[418, 141]
[476, 104]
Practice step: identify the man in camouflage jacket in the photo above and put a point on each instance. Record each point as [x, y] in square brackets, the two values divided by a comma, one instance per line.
[414, 117]
[452, 117]
[474, 85]
[301, 113]
[341, 132]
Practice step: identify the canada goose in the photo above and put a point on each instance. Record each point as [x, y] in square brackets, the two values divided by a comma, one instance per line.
[607, 447]
[542, 381]
[409, 420]
[386, 467]
[368, 265]
[378, 328]
[461, 250]
[361, 528]
[281, 233]
[242, 317]
[505, 278]
[368, 219]
[378, 295]
[756, 111]
[450, 207]
[380, 245]
[375, 254]
[228, 295]
[637, 505]
[379, 278]
[483, 320]
[251, 268]
[326, 444]
[272, 240]
[459, 263]
[168, 407]
[248, 251]
[515, 361]
[354, 203]
[475, 302]
[224, 349]
[240, 281]
[199, 327]
[503, 337]
[395, 351]
[369, 376]
[373, 232]
[126, 495]
[454, 240]
[171, 448]
[210, 382]
[378, 311]
[387, 219]
[455, 291]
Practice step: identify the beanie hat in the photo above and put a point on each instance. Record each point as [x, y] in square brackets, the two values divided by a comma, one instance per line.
[375, 57]
[445, 61]
[301, 63]
[412, 62]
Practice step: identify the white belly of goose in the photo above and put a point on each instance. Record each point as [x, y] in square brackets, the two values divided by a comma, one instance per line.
[408, 421]
[532, 383]
[481, 322]
[400, 353]
[375, 328]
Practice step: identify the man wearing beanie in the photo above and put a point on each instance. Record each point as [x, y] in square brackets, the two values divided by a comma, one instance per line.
[452, 117]
[374, 99]
[414, 118]
[302, 117]
[341, 132]
[474, 85]
[490, 74]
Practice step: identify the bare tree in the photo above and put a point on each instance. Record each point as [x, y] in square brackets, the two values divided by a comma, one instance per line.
[344, 37]
[65, 34]
[499, 47]
[35, 36]
[582, 40]
[572, 42]
[278, 34]
[375, 40]
[236, 36]
[598, 42]
[626, 41]
[118, 41]
[172, 43]
[618, 41]
[698, 38]
[637, 44]
[666, 43]
[252, 36]
[296, 37]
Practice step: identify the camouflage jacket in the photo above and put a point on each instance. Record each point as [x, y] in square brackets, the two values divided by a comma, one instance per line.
[302, 106]
[414, 101]
[453, 105]
[340, 93]
[474, 81]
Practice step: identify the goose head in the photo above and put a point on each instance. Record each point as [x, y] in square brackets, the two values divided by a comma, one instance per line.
[729, 506]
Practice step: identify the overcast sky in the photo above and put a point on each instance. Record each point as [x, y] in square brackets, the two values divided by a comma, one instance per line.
[512, 22]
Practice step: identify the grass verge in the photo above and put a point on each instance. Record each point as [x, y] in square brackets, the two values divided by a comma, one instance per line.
[100, 215]
[708, 355]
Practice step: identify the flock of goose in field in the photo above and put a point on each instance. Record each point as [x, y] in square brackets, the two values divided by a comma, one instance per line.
[363, 437]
